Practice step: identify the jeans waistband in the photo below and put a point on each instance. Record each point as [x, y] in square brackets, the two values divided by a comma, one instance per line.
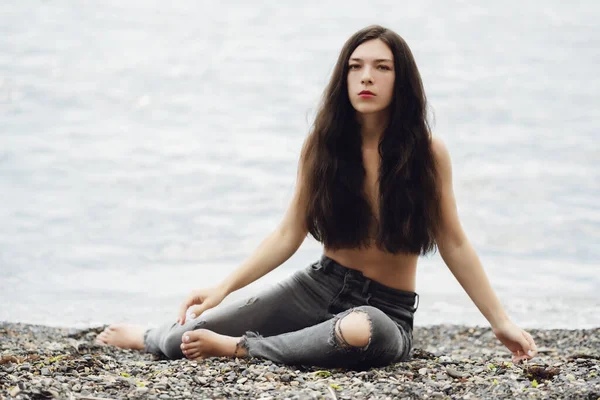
[331, 266]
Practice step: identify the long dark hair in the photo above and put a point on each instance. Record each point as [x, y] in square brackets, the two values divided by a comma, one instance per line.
[338, 213]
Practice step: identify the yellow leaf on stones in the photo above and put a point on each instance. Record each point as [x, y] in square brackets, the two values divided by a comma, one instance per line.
[336, 387]
[125, 375]
[534, 383]
[323, 374]
[140, 384]
[495, 381]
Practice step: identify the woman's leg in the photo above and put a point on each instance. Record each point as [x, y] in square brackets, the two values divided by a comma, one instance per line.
[290, 305]
[360, 338]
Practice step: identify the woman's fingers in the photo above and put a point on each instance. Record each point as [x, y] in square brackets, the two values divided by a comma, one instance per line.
[184, 307]
[532, 347]
[199, 309]
[528, 348]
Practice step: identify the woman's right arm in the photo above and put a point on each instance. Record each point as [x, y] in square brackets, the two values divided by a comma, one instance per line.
[275, 249]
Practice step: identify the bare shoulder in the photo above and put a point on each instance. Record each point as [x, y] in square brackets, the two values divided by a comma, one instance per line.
[441, 156]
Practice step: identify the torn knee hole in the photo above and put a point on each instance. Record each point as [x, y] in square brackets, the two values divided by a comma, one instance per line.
[353, 330]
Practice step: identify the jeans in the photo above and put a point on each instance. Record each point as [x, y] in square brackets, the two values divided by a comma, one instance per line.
[294, 322]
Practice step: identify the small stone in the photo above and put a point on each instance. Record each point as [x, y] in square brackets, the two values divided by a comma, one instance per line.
[45, 371]
[201, 380]
[423, 371]
[286, 378]
[14, 391]
[241, 380]
[455, 373]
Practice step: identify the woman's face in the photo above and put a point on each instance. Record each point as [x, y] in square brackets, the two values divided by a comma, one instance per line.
[371, 77]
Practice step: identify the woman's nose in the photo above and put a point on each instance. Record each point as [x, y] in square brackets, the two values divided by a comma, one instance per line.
[366, 76]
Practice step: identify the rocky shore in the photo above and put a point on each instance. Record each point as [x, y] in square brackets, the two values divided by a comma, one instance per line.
[448, 362]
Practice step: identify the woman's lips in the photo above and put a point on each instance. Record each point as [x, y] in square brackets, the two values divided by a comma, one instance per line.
[365, 94]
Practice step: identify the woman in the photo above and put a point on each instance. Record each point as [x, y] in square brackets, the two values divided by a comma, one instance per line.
[376, 189]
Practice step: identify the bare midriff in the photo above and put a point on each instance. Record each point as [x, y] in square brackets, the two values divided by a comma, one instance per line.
[397, 271]
[394, 270]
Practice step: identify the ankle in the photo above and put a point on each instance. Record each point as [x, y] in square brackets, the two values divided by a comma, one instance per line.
[241, 348]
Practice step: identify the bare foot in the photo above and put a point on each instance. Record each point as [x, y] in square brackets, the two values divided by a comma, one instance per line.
[124, 336]
[202, 343]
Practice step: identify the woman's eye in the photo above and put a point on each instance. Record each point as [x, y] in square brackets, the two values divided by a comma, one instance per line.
[354, 66]
[384, 67]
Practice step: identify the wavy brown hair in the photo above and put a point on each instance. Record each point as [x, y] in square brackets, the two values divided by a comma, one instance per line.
[338, 213]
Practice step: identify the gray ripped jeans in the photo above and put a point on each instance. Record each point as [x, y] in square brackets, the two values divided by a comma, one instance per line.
[294, 322]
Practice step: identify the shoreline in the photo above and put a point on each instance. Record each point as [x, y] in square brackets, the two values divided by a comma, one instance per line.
[447, 362]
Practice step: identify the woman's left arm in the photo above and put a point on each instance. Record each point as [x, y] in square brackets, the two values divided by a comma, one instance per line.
[463, 262]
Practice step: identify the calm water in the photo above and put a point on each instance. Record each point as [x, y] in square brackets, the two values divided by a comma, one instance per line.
[147, 150]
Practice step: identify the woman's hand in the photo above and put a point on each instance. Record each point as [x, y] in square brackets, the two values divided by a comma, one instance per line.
[202, 299]
[519, 342]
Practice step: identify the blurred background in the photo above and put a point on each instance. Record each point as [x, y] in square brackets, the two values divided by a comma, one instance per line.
[147, 148]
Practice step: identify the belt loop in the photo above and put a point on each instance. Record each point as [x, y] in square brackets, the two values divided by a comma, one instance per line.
[417, 298]
[365, 289]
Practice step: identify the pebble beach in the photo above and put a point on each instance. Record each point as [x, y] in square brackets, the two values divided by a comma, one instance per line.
[447, 362]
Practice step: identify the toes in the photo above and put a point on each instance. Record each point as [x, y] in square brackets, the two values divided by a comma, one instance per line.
[102, 337]
[101, 341]
[186, 346]
[192, 336]
[188, 337]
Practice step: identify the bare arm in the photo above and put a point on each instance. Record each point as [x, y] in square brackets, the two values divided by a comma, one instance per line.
[276, 249]
[462, 260]
[455, 248]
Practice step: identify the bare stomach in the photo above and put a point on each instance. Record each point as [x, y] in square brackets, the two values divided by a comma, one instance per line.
[394, 270]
